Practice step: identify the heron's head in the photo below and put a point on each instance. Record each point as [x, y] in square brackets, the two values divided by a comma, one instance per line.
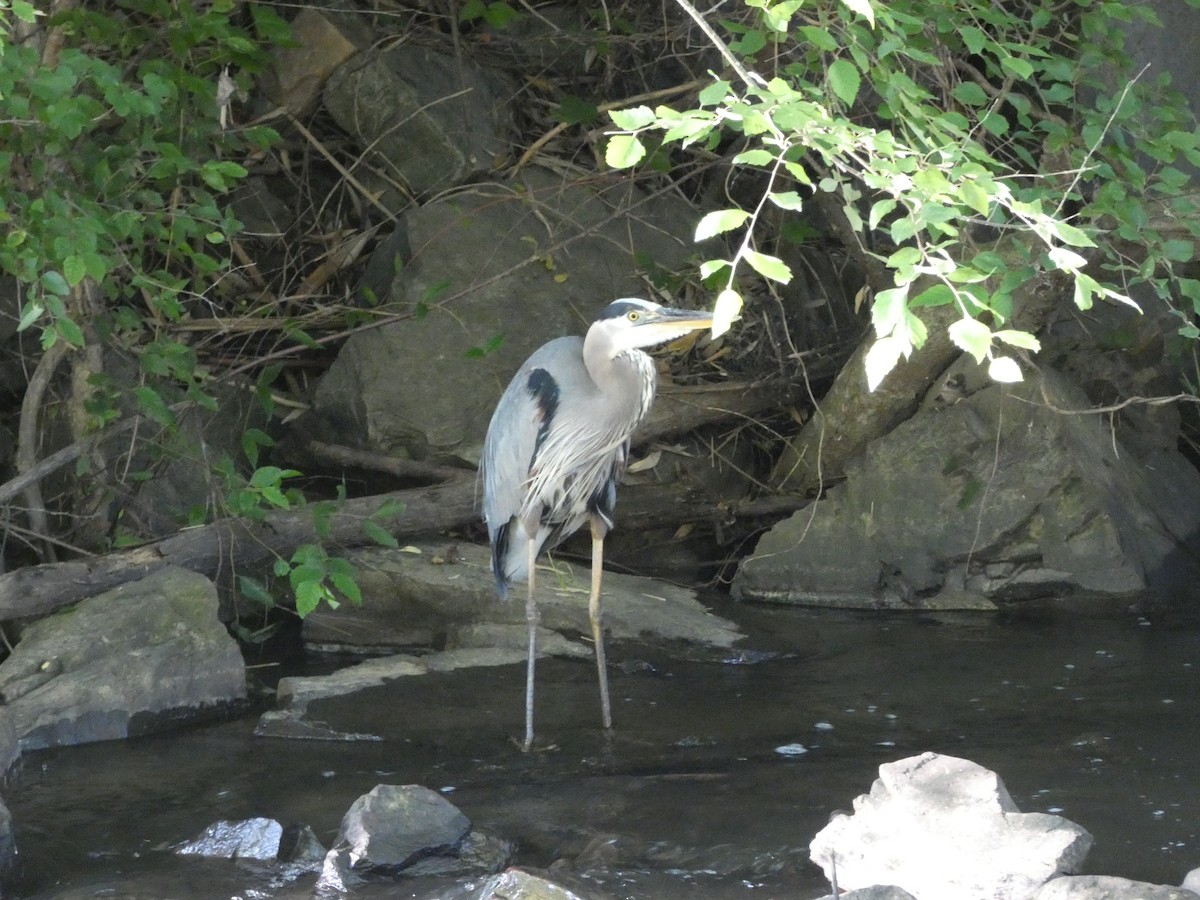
[630, 324]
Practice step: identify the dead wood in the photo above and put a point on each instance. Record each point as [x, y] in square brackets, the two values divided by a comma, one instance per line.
[230, 546]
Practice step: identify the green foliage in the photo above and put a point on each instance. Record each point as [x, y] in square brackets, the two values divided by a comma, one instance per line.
[496, 14]
[113, 163]
[926, 120]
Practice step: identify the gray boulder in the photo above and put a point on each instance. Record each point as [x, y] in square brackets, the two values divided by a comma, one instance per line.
[426, 120]
[990, 499]
[944, 828]
[486, 275]
[1108, 887]
[112, 665]
[411, 596]
[409, 830]
[393, 826]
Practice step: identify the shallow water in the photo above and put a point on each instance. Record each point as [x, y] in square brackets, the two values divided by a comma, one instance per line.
[1094, 718]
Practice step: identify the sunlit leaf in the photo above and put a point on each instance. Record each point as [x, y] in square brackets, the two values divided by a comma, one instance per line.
[1004, 369]
[1022, 339]
[882, 358]
[720, 221]
[972, 336]
[623, 151]
[632, 119]
[725, 313]
[769, 266]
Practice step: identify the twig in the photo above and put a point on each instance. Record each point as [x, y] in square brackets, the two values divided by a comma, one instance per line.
[750, 78]
[604, 107]
[27, 437]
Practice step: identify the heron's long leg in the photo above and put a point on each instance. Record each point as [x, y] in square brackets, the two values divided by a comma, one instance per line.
[531, 617]
[599, 529]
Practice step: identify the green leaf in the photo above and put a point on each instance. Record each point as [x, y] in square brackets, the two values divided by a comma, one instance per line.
[754, 157]
[935, 295]
[30, 314]
[714, 93]
[779, 15]
[768, 266]
[789, 200]
[574, 111]
[844, 80]
[1022, 339]
[1178, 250]
[309, 595]
[888, 309]
[152, 405]
[253, 590]
[974, 38]
[632, 119]
[379, 534]
[1069, 234]
[972, 336]
[623, 151]
[720, 221]
[878, 210]
[74, 269]
[969, 93]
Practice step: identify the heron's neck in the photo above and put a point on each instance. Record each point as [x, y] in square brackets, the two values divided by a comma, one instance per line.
[628, 379]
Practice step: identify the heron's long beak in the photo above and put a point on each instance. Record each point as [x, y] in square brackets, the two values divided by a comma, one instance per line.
[679, 321]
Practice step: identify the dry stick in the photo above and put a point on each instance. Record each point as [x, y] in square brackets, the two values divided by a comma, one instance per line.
[27, 438]
[380, 462]
[604, 107]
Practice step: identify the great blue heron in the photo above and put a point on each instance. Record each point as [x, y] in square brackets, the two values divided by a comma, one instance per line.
[557, 446]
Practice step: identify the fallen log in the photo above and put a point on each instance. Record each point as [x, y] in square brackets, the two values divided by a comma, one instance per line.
[237, 545]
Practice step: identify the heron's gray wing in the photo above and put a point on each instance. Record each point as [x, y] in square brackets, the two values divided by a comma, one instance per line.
[521, 424]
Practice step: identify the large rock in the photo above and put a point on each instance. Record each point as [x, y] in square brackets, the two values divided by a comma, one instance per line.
[444, 595]
[408, 830]
[426, 120]
[114, 664]
[487, 275]
[944, 828]
[990, 499]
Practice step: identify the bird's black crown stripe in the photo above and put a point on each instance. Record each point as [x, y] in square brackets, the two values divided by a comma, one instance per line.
[618, 308]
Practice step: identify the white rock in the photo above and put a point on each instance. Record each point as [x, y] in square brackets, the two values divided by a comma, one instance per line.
[1191, 881]
[945, 829]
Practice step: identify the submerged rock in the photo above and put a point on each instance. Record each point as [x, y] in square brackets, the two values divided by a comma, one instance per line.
[117, 664]
[944, 828]
[516, 884]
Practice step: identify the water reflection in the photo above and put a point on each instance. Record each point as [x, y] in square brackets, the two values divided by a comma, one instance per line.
[1095, 718]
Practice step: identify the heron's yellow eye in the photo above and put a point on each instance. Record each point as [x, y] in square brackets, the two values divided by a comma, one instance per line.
[633, 315]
